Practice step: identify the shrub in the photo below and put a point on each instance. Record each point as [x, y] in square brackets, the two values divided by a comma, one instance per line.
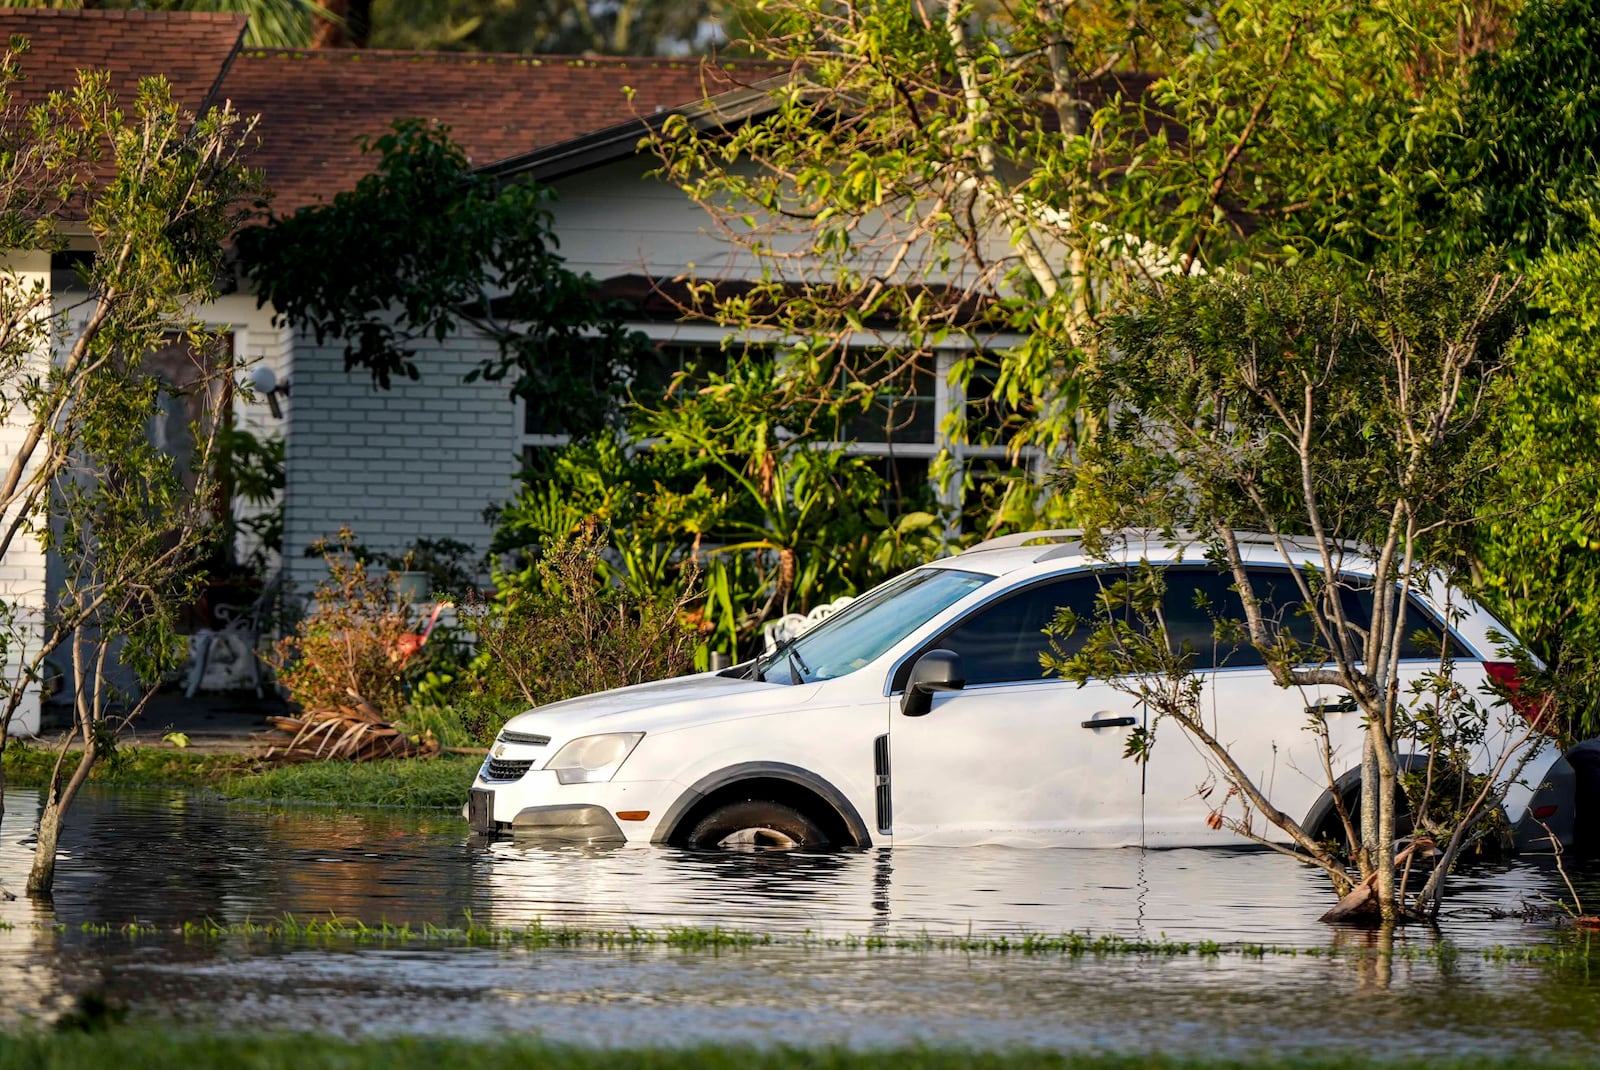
[569, 632]
[352, 640]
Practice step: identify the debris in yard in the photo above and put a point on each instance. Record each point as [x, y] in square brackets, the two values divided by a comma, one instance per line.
[354, 731]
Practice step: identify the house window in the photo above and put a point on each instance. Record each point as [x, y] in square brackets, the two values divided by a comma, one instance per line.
[900, 431]
[905, 409]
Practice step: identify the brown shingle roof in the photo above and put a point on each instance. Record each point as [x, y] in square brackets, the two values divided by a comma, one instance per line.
[315, 104]
[191, 49]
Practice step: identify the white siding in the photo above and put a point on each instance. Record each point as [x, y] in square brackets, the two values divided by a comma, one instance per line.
[419, 460]
[614, 220]
[618, 219]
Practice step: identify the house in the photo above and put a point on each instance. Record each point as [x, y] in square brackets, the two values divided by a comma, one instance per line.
[425, 459]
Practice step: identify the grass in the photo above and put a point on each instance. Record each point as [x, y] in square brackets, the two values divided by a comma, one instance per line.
[135, 1048]
[29, 767]
[1576, 949]
[415, 783]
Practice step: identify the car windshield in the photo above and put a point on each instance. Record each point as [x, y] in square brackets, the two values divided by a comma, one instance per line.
[864, 629]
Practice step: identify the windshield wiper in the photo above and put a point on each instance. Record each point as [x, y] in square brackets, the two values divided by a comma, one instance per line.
[797, 665]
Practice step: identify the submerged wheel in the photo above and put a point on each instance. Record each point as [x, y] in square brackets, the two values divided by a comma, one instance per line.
[753, 823]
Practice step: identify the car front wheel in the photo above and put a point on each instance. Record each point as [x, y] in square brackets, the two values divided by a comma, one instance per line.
[754, 823]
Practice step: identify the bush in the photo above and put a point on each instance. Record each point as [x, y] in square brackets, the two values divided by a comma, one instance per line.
[569, 632]
[353, 641]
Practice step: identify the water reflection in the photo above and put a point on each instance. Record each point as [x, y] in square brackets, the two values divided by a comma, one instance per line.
[164, 859]
[167, 858]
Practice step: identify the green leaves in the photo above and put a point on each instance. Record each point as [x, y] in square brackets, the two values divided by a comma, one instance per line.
[1538, 550]
[724, 476]
[1532, 110]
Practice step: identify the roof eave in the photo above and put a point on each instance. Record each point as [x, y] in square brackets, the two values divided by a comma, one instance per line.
[724, 112]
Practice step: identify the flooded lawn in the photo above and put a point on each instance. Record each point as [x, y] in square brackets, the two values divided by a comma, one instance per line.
[165, 859]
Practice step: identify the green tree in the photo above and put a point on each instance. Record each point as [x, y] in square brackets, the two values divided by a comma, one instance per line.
[1532, 108]
[1538, 551]
[1533, 111]
[952, 168]
[159, 192]
[1347, 417]
[443, 249]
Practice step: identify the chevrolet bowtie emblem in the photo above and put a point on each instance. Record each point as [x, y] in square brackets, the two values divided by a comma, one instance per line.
[500, 751]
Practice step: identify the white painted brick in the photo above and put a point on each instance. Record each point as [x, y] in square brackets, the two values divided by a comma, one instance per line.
[418, 461]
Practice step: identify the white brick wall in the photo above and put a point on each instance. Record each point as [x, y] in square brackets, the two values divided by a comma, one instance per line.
[255, 341]
[420, 460]
[22, 571]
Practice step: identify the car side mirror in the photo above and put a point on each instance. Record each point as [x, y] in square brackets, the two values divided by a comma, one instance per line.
[937, 670]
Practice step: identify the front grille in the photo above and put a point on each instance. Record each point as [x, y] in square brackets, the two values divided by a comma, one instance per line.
[525, 738]
[502, 769]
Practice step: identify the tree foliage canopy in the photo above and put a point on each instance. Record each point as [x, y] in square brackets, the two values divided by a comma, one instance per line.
[1532, 113]
[1350, 418]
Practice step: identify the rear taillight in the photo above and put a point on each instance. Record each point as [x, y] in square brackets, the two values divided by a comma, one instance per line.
[1505, 674]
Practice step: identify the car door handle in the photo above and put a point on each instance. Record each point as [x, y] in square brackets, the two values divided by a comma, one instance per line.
[1111, 722]
[1347, 704]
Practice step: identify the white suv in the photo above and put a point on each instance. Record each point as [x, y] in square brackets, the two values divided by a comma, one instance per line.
[865, 730]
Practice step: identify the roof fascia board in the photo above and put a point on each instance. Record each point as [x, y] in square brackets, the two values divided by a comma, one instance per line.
[725, 112]
[222, 72]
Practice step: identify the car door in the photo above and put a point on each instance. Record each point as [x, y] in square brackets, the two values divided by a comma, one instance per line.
[1265, 727]
[1260, 724]
[1016, 757]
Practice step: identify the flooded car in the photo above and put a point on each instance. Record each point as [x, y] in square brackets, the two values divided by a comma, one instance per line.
[919, 714]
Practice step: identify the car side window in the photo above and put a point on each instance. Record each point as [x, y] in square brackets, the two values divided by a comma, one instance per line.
[1196, 599]
[1423, 634]
[1002, 642]
[1282, 602]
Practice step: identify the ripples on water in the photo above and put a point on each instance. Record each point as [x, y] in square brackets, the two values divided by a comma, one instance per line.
[164, 859]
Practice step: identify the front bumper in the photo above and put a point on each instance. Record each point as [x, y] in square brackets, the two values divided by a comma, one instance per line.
[579, 823]
[537, 807]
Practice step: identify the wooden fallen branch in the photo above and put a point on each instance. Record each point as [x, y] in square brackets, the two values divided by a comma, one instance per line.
[356, 732]
[1361, 902]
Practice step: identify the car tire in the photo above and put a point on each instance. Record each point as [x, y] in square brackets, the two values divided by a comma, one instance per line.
[756, 824]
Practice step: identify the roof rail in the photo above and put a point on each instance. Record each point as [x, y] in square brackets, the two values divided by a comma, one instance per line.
[1027, 538]
[1073, 535]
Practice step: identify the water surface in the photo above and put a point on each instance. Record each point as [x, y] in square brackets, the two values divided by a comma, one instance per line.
[164, 858]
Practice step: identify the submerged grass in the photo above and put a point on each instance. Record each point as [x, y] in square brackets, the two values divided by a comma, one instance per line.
[537, 936]
[133, 1048]
[414, 783]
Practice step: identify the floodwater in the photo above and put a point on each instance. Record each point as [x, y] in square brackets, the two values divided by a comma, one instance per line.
[162, 859]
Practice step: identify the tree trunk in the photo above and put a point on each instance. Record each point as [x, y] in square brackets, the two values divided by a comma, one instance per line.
[1367, 849]
[42, 875]
[1388, 790]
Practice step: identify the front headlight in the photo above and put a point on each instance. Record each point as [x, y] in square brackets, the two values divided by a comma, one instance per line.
[593, 759]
